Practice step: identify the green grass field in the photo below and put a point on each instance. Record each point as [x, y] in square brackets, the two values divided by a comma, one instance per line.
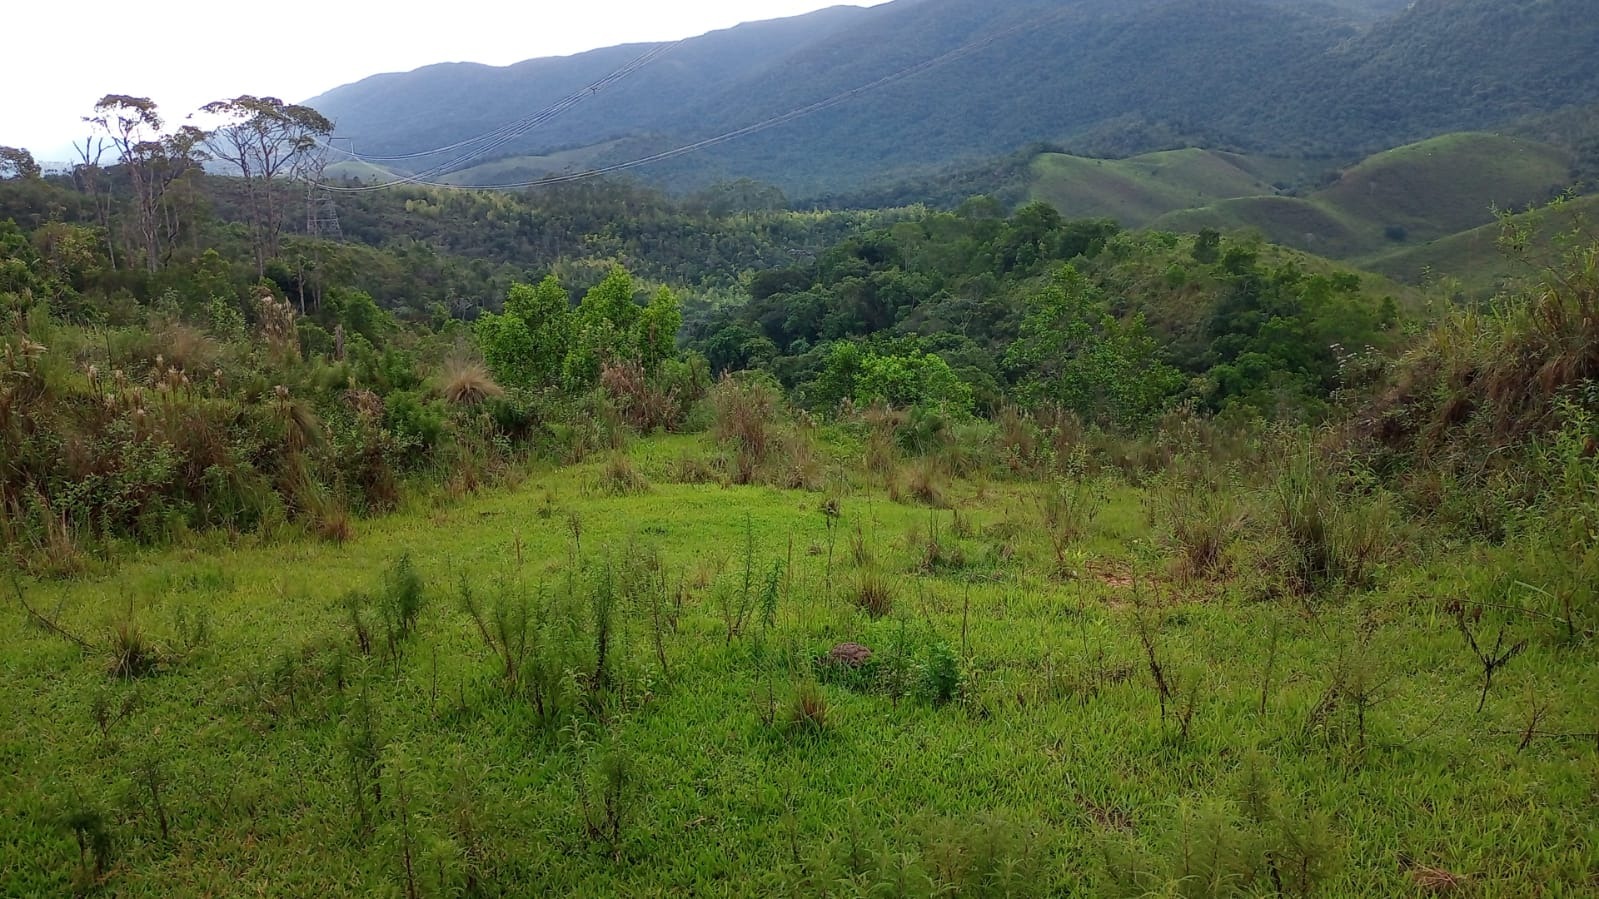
[1329, 748]
[1448, 184]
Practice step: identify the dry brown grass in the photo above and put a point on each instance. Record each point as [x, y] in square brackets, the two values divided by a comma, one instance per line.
[745, 416]
[333, 523]
[467, 382]
[882, 439]
[645, 406]
[921, 481]
[278, 330]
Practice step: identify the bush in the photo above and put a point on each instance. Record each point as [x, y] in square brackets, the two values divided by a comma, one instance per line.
[418, 424]
[1200, 517]
[1330, 535]
[745, 415]
[644, 404]
[619, 477]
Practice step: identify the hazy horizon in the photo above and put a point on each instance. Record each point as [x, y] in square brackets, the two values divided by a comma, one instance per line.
[304, 50]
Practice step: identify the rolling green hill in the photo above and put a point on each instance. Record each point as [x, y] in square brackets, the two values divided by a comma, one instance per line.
[1473, 258]
[1420, 192]
[1448, 184]
[1290, 221]
[514, 169]
[1137, 190]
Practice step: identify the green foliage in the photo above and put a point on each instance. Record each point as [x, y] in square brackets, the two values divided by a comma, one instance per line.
[657, 330]
[507, 346]
[1111, 337]
[914, 381]
[1074, 354]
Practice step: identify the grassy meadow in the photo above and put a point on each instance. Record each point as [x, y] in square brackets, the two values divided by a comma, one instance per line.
[617, 678]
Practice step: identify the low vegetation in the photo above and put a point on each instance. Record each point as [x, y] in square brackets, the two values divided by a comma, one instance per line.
[983, 555]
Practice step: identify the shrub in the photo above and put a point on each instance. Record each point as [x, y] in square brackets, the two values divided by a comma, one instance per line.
[418, 424]
[466, 382]
[619, 477]
[938, 675]
[1067, 508]
[644, 405]
[745, 414]
[402, 599]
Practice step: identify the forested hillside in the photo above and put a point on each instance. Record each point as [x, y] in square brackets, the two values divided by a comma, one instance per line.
[1099, 77]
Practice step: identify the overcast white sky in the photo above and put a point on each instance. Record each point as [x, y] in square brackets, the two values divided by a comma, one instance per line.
[58, 60]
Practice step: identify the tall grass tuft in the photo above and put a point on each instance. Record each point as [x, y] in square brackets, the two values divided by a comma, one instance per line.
[466, 382]
[620, 477]
[1329, 535]
[808, 710]
[1067, 508]
[922, 481]
[1201, 517]
[744, 418]
[873, 595]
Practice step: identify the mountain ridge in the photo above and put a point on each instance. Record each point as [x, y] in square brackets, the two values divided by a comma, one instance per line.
[1269, 77]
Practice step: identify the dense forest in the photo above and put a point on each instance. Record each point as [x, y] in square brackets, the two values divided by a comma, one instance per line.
[1279, 77]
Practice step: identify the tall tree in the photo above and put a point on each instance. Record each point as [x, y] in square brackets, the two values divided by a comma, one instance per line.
[152, 161]
[88, 175]
[16, 162]
[267, 140]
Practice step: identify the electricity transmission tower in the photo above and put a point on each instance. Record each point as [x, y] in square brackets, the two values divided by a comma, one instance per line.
[321, 213]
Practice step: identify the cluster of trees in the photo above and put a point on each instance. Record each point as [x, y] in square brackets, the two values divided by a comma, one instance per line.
[541, 342]
[132, 153]
[708, 240]
[973, 309]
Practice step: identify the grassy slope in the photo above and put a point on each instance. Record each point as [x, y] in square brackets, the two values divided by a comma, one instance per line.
[1431, 189]
[1473, 258]
[256, 786]
[1289, 221]
[1448, 184]
[1137, 190]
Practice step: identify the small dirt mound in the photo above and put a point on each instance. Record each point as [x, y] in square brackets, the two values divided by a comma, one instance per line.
[848, 655]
